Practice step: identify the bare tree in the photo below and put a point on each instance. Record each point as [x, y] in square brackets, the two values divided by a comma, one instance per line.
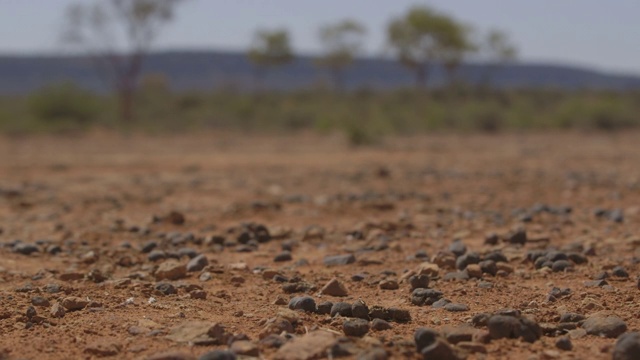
[117, 36]
[342, 42]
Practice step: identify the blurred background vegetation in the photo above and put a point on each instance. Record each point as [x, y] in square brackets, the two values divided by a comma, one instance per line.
[420, 40]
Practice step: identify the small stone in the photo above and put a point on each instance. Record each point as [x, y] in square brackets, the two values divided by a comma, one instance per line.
[304, 303]
[40, 301]
[197, 263]
[425, 296]
[419, 281]
[425, 337]
[440, 350]
[380, 325]
[341, 308]
[606, 326]
[198, 294]
[165, 288]
[503, 326]
[472, 347]
[57, 310]
[313, 345]
[102, 349]
[337, 260]
[356, 327]
[245, 347]
[283, 256]
[561, 265]
[170, 270]
[334, 288]
[456, 307]
[324, 308]
[389, 285]
[170, 355]
[25, 248]
[474, 271]
[571, 318]
[199, 333]
[73, 303]
[627, 347]
[373, 354]
[518, 237]
[620, 272]
[458, 248]
[440, 303]
[360, 310]
[399, 315]
[218, 355]
[564, 343]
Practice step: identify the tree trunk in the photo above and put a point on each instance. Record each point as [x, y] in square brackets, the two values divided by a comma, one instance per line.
[421, 77]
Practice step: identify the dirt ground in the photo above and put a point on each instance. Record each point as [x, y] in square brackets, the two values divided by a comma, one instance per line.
[99, 198]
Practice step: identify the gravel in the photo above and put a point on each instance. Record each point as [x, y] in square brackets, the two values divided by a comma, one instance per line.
[304, 303]
[627, 347]
[356, 327]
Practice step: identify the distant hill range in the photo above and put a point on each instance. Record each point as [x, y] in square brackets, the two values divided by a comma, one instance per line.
[206, 70]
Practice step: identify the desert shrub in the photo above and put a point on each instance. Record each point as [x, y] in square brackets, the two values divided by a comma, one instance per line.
[64, 105]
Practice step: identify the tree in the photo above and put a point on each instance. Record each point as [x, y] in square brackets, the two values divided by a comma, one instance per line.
[117, 36]
[342, 42]
[455, 46]
[418, 39]
[496, 50]
[270, 49]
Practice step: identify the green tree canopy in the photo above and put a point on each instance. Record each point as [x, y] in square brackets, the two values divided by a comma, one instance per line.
[341, 42]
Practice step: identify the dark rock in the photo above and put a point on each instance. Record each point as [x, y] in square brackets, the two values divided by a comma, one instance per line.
[458, 248]
[495, 256]
[197, 263]
[356, 327]
[440, 350]
[25, 248]
[518, 237]
[334, 288]
[619, 271]
[165, 288]
[480, 320]
[389, 285]
[561, 265]
[283, 256]
[425, 296]
[425, 337]
[373, 354]
[341, 308]
[467, 259]
[441, 303]
[304, 303]
[456, 275]
[188, 252]
[380, 325]
[456, 307]
[358, 277]
[218, 355]
[273, 341]
[606, 326]
[419, 281]
[571, 318]
[52, 288]
[501, 326]
[360, 310]
[378, 312]
[627, 347]
[399, 315]
[557, 293]
[40, 301]
[324, 308]
[488, 267]
[156, 255]
[148, 246]
[564, 343]
[577, 258]
[337, 260]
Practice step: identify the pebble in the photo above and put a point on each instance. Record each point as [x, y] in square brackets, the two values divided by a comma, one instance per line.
[245, 348]
[399, 315]
[456, 307]
[503, 326]
[341, 308]
[355, 327]
[170, 270]
[389, 285]
[424, 337]
[304, 303]
[425, 296]
[165, 288]
[419, 281]
[620, 272]
[156, 255]
[561, 265]
[324, 308]
[334, 288]
[74, 303]
[218, 355]
[469, 258]
[627, 347]
[380, 325]
[373, 354]
[337, 260]
[571, 318]
[283, 256]
[441, 303]
[564, 343]
[57, 310]
[474, 271]
[40, 301]
[197, 263]
[360, 310]
[458, 248]
[25, 248]
[606, 326]
[170, 355]
[518, 237]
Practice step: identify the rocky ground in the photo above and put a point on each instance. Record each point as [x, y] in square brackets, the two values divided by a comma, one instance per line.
[224, 247]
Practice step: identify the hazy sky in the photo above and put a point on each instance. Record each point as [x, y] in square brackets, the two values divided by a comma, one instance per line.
[600, 34]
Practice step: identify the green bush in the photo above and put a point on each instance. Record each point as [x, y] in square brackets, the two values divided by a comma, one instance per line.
[64, 105]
